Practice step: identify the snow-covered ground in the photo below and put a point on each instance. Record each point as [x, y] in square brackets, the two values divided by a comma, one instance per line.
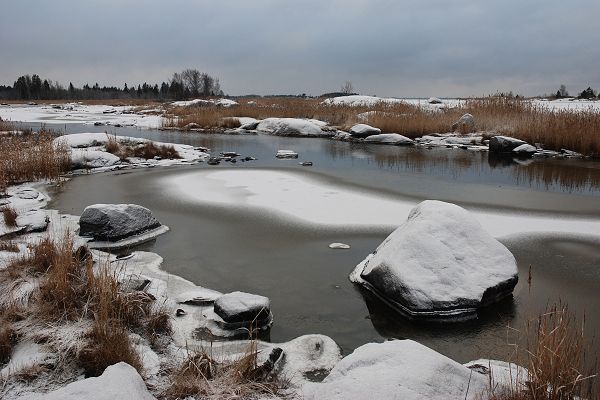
[76, 113]
[309, 200]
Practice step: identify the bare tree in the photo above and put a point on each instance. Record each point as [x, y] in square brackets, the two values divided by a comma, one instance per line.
[563, 91]
[191, 80]
[347, 88]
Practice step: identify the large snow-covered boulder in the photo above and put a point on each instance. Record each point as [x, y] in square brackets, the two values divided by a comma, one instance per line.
[440, 265]
[112, 222]
[504, 144]
[389, 138]
[364, 130]
[240, 307]
[83, 159]
[292, 127]
[119, 381]
[525, 149]
[398, 369]
[465, 124]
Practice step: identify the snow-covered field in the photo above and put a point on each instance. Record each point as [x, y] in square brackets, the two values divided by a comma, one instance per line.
[76, 113]
[308, 200]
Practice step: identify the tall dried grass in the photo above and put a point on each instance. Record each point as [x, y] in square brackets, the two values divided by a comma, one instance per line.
[10, 216]
[557, 360]
[31, 156]
[147, 150]
[568, 129]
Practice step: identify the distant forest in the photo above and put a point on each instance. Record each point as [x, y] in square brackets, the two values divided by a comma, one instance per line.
[183, 85]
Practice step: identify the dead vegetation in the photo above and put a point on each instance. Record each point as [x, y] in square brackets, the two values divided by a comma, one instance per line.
[10, 216]
[201, 376]
[147, 150]
[72, 288]
[557, 359]
[8, 246]
[30, 156]
[556, 130]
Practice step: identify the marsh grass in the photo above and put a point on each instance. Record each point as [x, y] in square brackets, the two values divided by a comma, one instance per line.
[147, 150]
[10, 216]
[556, 355]
[555, 130]
[8, 246]
[28, 156]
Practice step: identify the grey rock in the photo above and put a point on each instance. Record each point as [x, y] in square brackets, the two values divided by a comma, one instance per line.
[465, 124]
[242, 307]
[504, 144]
[363, 131]
[113, 222]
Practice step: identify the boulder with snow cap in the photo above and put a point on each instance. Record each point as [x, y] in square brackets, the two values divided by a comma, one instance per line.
[112, 222]
[504, 144]
[397, 369]
[525, 150]
[119, 381]
[240, 307]
[465, 124]
[434, 100]
[439, 265]
[363, 131]
[292, 127]
[390, 138]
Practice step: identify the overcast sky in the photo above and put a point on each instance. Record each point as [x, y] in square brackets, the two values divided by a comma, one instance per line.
[385, 47]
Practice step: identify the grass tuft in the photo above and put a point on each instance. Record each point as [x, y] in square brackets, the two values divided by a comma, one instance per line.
[10, 216]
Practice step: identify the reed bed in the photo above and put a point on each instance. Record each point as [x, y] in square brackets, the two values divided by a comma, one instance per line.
[554, 129]
[29, 156]
[556, 356]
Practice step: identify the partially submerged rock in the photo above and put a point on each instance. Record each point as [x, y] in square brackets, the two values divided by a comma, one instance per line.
[339, 246]
[119, 381]
[363, 131]
[389, 138]
[113, 222]
[239, 309]
[465, 124]
[439, 265]
[525, 149]
[398, 369]
[286, 154]
[434, 100]
[504, 144]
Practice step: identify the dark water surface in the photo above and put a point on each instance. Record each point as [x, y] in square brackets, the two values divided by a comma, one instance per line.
[307, 282]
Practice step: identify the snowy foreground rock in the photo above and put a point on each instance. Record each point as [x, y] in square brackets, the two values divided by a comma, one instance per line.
[363, 131]
[439, 265]
[239, 309]
[402, 370]
[504, 144]
[113, 222]
[119, 381]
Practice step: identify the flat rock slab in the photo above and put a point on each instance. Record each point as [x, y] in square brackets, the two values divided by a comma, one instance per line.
[240, 307]
[440, 265]
[113, 222]
[389, 138]
[363, 131]
[504, 144]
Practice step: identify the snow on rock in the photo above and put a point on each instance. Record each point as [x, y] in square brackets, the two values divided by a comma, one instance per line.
[434, 100]
[286, 154]
[389, 138]
[502, 373]
[439, 264]
[465, 124]
[504, 144]
[397, 369]
[81, 140]
[525, 149]
[339, 246]
[240, 307]
[203, 102]
[364, 130]
[198, 296]
[226, 103]
[113, 222]
[360, 101]
[27, 193]
[85, 159]
[27, 354]
[248, 123]
[291, 127]
[119, 381]
[33, 220]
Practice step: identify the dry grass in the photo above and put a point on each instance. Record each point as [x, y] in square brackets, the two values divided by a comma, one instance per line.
[31, 156]
[7, 340]
[201, 376]
[573, 130]
[147, 150]
[8, 246]
[557, 361]
[10, 216]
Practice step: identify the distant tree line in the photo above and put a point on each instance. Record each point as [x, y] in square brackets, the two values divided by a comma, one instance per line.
[588, 93]
[183, 85]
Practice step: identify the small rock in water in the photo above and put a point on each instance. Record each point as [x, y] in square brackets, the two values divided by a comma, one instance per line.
[306, 163]
[213, 161]
[339, 246]
[286, 154]
[230, 154]
[179, 312]
[249, 158]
